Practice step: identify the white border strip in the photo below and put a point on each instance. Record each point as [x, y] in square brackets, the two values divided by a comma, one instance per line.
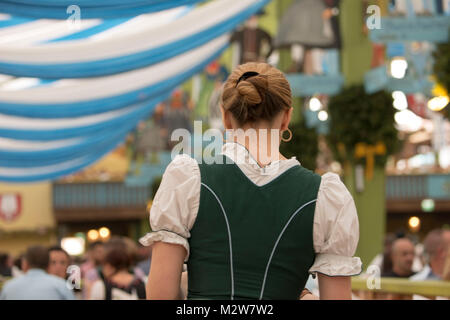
[229, 239]
[276, 244]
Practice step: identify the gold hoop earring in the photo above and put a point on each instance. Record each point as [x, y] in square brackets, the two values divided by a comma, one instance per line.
[290, 135]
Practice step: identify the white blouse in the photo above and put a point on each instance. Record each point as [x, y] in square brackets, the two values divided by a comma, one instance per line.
[335, 231]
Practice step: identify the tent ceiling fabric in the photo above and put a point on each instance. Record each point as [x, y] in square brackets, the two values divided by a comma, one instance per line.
[32, 31]
[141, 46]
[105, 76]
[88, 9]
[87, 3]
[183, 67]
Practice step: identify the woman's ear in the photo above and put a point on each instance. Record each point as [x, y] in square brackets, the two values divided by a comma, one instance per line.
[287, 116]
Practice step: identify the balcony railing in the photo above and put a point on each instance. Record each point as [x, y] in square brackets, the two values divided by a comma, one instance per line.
[98, 195]
[118, 194]
[408, 187]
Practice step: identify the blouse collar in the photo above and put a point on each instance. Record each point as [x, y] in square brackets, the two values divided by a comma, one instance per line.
[241, 156]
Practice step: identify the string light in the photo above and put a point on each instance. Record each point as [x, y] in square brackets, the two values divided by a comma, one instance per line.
[400, 101]
[408, 121]
[399, 67]
[414, 223]
[323, 115]
[315, 104]
[427, 205]
[74, 246]
[104, 232]
[93, 235]
[438, 103]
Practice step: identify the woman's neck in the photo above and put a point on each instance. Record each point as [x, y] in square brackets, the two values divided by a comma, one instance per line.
[263, 144]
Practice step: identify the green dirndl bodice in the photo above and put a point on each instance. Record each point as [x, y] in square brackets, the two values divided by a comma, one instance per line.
[249, 241]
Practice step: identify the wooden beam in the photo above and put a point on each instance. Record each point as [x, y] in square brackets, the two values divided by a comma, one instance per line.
[414, 206]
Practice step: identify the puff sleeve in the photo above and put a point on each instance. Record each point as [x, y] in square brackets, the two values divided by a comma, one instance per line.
[175, 206]
[336, 230]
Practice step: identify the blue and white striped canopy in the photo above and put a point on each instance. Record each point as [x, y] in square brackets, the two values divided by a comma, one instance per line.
[104, 9]
[69, 96]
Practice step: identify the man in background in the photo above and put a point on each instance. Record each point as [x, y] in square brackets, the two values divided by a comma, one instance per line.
[36, 284]
[5, 265]
[436, 246]
[402, 255]
[59, 262]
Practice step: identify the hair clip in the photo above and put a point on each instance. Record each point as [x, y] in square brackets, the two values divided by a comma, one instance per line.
[247, 75]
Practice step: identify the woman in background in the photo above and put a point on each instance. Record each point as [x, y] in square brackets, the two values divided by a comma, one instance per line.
[117, 282]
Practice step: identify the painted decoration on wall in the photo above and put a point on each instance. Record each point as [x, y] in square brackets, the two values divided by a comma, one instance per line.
[253, 42]
[414, 20]
[210, 84]
[10, 206]
[307, 85]
[409, 69]
[310, 29]
[376, 79]
[310, 23]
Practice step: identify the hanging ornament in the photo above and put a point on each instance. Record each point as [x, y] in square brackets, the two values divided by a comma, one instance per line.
[369, 152]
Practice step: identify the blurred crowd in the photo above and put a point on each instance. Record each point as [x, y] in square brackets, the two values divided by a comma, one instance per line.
[112, 270]
[404, 257]
[118, 269]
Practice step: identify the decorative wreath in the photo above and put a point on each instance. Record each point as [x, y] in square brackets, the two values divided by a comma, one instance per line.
[362, 127]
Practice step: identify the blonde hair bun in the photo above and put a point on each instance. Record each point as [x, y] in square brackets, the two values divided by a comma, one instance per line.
[256, 91]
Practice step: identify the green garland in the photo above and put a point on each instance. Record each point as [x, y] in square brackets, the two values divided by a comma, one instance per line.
[360, 118]
[303, 145]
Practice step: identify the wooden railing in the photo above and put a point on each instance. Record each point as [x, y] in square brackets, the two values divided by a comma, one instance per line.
[98, 195]
[113, 194]
[406, 187]
[399, 289]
